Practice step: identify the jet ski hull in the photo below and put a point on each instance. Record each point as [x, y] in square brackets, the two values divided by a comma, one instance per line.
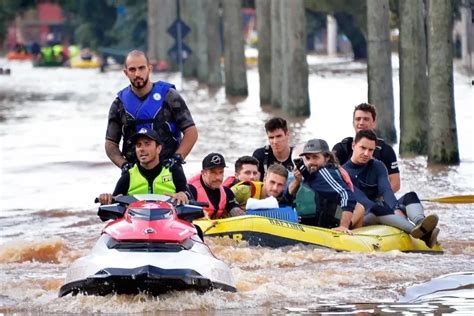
[152, 268]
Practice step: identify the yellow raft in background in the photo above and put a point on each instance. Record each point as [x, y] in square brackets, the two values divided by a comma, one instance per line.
[269, 232]
[77, 62]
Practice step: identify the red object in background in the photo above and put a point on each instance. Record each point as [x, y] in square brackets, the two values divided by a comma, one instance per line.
[48, 13]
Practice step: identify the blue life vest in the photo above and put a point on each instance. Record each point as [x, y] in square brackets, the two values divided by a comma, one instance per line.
[286, 213]
[143, 113]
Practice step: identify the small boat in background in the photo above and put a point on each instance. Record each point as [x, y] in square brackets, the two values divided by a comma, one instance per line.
[85, 58]
[78, 62]
[14, 55]
[48, 63]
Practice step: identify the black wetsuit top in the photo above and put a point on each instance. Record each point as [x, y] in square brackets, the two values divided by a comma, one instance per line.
[174, 109]
[266, 158]
[383, 152]
[371, 182]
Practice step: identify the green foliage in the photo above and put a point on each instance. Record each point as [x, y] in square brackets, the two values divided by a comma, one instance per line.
[248, 4]
[91, 20]
[84, 35]
[315, 21]
[356, 8]
[130, 28]
[351, 19]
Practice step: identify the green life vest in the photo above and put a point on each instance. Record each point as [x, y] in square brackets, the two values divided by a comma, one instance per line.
[305, 201]
[245, 190]
[162, 184]
[47, 53]
[314, 210]
[73, 51]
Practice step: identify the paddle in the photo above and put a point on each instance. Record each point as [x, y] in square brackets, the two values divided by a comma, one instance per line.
[453, 199]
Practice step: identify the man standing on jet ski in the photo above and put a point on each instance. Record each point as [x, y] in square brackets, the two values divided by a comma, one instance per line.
[144, 104]
[150, 175]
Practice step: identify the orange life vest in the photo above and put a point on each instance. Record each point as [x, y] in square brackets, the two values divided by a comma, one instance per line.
[230, 181]
[346, 178]
[202, 197]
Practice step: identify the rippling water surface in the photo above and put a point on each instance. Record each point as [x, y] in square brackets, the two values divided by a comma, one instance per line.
[53, 164]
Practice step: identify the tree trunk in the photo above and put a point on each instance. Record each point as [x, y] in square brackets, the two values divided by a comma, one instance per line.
[276, 62]
[188, 15]
[214, 47]
[442, 134]
[379, 67]
[234, 55]
[467, 23]
[295, 96]
[200, 51]
[152, 23]
[263, 8]
[161, 14]
[413, 79]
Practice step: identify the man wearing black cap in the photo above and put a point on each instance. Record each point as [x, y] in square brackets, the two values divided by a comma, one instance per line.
[149, 175]
[208, 187]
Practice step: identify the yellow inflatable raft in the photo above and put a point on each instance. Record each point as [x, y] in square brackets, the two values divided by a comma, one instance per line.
[77, 62]
[269, 232]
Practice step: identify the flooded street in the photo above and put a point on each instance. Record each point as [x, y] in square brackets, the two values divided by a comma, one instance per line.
[53, 165]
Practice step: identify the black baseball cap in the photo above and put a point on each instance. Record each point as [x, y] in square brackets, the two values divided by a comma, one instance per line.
[147, 132]
[213, 160]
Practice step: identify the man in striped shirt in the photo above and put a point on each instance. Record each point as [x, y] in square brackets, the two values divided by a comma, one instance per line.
[324, 181]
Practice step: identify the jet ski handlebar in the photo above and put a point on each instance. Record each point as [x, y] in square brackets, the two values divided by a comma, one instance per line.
[197, 203]
[127, 199]
[190, 211]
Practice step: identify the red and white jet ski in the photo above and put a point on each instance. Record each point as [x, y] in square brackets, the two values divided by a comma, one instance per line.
[150, 246]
